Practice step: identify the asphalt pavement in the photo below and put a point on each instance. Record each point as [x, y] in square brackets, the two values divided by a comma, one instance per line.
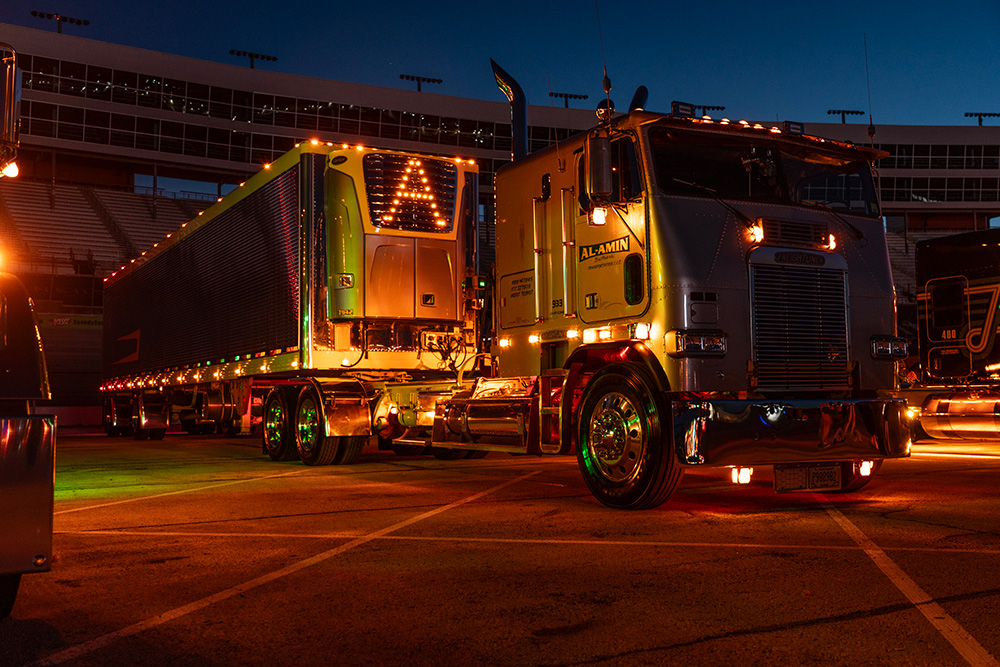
[201, 551]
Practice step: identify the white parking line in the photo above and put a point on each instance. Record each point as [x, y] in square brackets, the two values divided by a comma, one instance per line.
[955, 634]
[136, 628]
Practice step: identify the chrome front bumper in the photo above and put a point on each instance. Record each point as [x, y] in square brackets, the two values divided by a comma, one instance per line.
[749, 432]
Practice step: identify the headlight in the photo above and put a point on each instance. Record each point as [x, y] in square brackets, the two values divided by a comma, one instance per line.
[696, 343]
[889, 347]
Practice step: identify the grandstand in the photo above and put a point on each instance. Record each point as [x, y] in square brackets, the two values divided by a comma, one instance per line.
[63, 240]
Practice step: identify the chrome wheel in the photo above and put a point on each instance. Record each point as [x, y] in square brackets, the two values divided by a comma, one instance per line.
[616, 437]
[307, 423]
[274, 425]
[279, 439]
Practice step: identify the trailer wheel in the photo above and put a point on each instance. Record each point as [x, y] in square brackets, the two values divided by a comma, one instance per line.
[279, 441]
[623, 455]
[852, 480]
[311, 441]
[349, 449]
[8, 593]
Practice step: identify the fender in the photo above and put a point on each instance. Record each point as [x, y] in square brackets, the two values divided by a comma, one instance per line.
[595, 356]
[586, 360]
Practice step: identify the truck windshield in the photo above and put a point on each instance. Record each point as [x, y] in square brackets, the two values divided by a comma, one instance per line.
[754, 169]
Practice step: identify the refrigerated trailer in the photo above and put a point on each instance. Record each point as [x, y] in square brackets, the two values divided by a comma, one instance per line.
[330, 286]
[676, 293]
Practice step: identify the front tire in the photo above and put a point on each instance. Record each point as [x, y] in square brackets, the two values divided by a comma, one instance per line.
[625, 460]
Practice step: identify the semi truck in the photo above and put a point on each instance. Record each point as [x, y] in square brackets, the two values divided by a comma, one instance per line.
[670, 292]
[677, 293]
[27, 438]
[955, 390]
[332, 285]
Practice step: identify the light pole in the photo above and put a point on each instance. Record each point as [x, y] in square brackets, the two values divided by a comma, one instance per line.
[253, 56]
[844, 113]
[60, 19]
[567, 97]
[419, 80]
[981, 115]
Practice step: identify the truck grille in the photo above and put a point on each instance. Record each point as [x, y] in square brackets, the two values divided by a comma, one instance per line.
[799, 327]
[795, 232]
[399, 198]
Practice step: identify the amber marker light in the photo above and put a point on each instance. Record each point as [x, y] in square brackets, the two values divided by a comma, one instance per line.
[757, 233]
[832, 245]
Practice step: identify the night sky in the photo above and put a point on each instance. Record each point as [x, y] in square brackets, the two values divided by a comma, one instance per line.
[929, 61]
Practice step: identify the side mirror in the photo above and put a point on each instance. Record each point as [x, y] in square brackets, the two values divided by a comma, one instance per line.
[599, 166]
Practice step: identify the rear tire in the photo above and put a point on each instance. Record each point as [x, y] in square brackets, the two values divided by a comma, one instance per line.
[349, 450]
[279, 440]
[313, 445]
[625, 459]
[446, 454]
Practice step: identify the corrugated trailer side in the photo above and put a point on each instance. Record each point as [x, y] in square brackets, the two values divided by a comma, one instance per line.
[227, 288]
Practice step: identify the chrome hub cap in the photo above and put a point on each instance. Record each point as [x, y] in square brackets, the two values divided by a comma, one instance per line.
[616, 438]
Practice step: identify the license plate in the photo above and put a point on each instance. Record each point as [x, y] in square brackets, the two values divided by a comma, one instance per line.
[815, 477]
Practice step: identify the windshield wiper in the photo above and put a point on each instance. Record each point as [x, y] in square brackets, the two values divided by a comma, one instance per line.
[858, 234]
[747, 220]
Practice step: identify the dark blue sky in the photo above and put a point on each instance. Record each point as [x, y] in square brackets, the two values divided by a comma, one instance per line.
[929, 61]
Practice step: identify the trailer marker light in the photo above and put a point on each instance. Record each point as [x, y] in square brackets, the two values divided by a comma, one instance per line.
[865, 468]
[534, 338]
[641, 331]
[742, 475]
[599, 216]
[504, 342]
[573, 333]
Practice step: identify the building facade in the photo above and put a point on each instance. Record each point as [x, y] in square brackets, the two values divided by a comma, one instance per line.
[105, 126]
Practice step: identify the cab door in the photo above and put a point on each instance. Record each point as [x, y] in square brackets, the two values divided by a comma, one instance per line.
[611, 252]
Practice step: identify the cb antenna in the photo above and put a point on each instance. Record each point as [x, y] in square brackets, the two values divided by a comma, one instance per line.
[606, 109]
[868, 80]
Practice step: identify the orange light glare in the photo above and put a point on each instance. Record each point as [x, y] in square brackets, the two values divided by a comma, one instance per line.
[11, 170]
[757, 233]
